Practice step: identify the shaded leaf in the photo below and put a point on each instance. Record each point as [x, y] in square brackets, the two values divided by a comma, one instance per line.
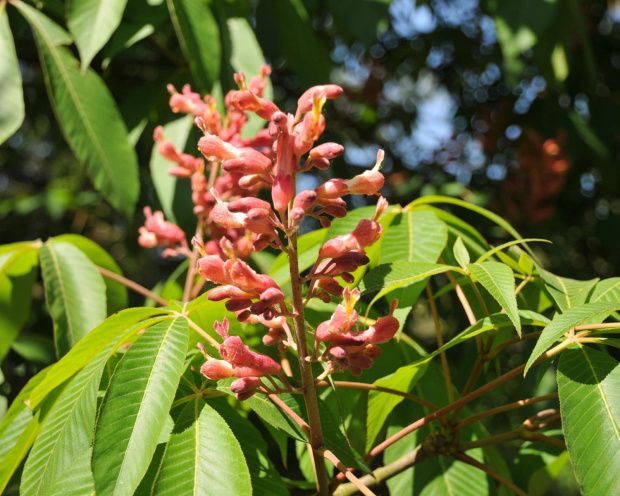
[12, 95]
[564, 322]
[92, 22]
[18, 272]
[380, 404]
[74, 291]
[171, 191]
[136, 405]
[566, 292]
[87, 115]
[499, 280]
[199, 37]
[588, 385]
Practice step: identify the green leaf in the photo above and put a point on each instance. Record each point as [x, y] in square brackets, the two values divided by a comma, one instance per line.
[508, 244]
[388, 277]
[380, 405]
[199, 37]
[123, 323]
[461, 255]
[499, 280]
[280, 22]
[204, 459]
[116, 293]
[567, 293]
[77, 479]
[247, 56]
[431, 199]
[92, 22]
[88, 116]
[136, 405]
[270, 413]
[588, 385]
[18, 272]
[265, 479]
[67, 430]
[606, 290]
[414, 237]
[564, 322]
[11, 96]
[18, 415]
[74, 291]
[170, 190]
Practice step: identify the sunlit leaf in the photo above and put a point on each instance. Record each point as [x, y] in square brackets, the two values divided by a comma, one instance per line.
[87, 115]
[92, 23]
[588, 385]
[11, 96]
[204, 459]
[136, 407]
[74, 291]
[564, 322]
[498, 279]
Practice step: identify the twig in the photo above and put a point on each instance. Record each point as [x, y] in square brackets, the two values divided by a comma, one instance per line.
[201, 331]
[439, 337]
[497, 476]
[286, 409]
[372, 387]
[134, 286]
[359, 485]
[463, 400]
[383, 473]
[503, 408]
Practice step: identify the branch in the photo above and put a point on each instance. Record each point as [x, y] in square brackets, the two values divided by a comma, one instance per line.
[497, 476]
[357, 483]
[383, 473]
[503, 408]
[134, 286]
[372, 387]
[463, 400]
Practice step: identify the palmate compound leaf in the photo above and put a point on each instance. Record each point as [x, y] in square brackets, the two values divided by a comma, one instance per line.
[564, 322]
[589, 390]
[11, 96]
[136, 405]
[567, 293]
[87, 114]
[67, 431]
[75, 293]
[122, 323]
[205, 459]
[498, 279]
[92, 23]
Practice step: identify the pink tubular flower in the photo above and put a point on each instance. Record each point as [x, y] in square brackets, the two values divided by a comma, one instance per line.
[159, 232]
[238, 361]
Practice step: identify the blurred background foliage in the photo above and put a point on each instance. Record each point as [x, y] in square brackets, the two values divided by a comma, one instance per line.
[511, 105]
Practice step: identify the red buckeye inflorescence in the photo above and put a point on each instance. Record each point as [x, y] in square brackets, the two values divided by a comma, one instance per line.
[226, 185]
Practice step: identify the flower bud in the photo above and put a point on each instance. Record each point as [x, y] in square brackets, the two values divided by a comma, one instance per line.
[334, 188]
[245, 384]
[216, 369]
[236, 304]
[272, 296]
[213, 269]
[248, 162]
[214, 148]
[225, 292]
[327, 151]
[248, 203]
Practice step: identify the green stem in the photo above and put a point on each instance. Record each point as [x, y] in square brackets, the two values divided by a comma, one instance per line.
[488, 470]
[134, 286]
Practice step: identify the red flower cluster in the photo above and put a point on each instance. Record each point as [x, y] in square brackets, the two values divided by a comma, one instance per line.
[159, 232]
[237, 222]
[349, 349]
[238, 361]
